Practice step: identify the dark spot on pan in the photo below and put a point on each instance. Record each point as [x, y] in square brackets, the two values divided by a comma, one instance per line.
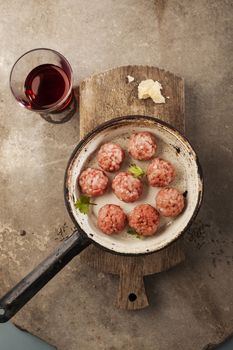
[85, 149]
[185, 194]
[148, 250]
[115, 127]
[177, 149]
[91, 234]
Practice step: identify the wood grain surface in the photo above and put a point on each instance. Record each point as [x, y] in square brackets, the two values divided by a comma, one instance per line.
[109, 95]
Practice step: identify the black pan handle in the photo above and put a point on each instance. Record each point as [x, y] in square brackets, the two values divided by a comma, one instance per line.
[19, 295]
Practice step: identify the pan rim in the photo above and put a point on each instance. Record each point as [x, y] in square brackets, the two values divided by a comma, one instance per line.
[117, 121]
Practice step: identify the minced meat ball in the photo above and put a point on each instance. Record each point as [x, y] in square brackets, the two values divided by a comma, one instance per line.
[142, 145]
[144, 219]
[93, 182]
[160, 173]
[170, 202]
[111, 219]
[110, 156]
[127, 187]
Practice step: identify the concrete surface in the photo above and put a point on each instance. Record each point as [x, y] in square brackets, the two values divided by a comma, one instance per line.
[12, 338]
[190, 38]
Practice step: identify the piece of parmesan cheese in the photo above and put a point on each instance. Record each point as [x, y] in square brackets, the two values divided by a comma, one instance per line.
[130, 78]
[150, 88]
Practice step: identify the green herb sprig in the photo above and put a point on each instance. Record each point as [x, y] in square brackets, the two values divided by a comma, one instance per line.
[136, 171]
[133, 232]
[83, 204]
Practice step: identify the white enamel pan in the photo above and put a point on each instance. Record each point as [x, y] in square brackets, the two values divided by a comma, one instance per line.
[172, 146]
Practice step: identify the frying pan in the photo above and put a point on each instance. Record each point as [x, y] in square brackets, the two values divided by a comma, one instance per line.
[172, 146]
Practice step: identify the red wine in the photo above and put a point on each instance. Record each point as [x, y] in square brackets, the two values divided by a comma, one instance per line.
[46, 85]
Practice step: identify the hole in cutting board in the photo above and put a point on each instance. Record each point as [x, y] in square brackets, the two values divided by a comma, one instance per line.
[132, 297]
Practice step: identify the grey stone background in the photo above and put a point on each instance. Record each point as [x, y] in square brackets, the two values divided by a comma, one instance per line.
[192, 39]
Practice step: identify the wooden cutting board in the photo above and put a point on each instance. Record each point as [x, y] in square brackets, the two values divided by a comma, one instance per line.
[109, 95]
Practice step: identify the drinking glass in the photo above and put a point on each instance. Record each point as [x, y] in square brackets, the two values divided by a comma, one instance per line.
[41, 80]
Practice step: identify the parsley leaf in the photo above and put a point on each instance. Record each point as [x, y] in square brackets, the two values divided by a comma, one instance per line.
[83, 203]
[136, 171]
[133, 232]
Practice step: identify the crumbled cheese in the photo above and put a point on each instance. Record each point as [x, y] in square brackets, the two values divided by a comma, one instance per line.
[150, 88]
[130, 78]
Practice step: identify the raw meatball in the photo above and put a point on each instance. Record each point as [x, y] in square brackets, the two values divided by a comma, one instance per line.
[127, 187]
[111, 219]
[93, 182]
[142, 145]
[110, 156]
[169, 202]
[144, 219]
[160, 173]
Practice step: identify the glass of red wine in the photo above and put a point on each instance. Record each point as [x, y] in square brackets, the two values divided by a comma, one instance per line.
[41, 81]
